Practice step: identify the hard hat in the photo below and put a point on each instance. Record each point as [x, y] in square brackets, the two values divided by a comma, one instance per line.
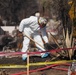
[42, 20]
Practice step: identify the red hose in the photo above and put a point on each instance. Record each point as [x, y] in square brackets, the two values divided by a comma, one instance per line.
[63, 69]
[31, 71]
[66, 64]
[18, 53]
[51, 66]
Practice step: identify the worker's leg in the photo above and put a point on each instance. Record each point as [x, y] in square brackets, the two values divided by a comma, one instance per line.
[38, 39]
[25, 47]
[25, 42]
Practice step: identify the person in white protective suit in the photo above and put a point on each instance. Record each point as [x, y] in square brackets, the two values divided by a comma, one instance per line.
[34, 26]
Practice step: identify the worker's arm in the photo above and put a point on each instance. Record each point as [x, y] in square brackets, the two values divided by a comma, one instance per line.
[24, 23]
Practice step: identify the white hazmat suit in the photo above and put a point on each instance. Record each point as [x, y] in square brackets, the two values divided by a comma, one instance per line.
[30, 27]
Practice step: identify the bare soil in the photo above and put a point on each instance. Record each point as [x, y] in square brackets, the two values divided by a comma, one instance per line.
[18, 61]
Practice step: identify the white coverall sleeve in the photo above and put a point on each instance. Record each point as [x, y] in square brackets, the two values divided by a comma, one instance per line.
[44, 34]
[23, 23]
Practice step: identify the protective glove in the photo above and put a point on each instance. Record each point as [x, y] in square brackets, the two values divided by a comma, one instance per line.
[47, 46]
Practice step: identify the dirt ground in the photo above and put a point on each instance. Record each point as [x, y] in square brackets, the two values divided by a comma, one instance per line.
[45, 72]
[18, 61]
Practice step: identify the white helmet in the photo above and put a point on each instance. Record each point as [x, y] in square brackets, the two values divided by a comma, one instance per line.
[42, 20]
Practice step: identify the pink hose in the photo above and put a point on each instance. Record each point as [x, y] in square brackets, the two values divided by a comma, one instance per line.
[31, 71]
[63, 69]
[44, 68]
[29, 53]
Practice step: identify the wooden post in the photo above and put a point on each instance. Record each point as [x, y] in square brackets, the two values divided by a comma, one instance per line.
[28, 63]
